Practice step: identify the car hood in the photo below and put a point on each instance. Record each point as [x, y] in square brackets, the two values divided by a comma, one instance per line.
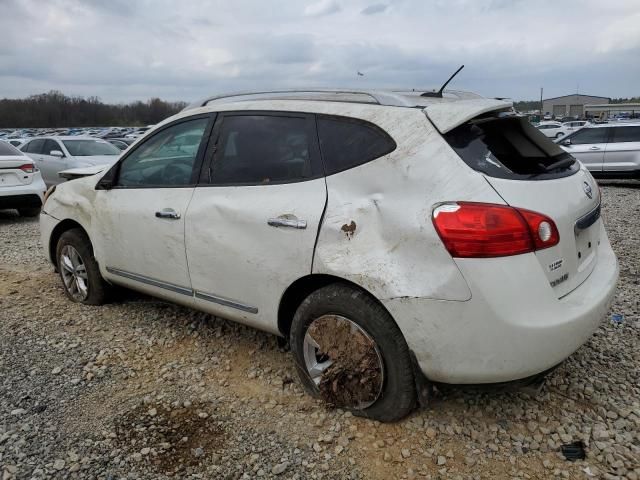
[449, 115]
[96, 160]
[83, 171]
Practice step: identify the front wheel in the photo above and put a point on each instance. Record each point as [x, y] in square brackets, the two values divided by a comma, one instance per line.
[79, 270]
[349, 352]
[559, 134]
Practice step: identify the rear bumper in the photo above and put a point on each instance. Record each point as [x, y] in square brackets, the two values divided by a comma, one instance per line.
[513, 327]
[23, 196]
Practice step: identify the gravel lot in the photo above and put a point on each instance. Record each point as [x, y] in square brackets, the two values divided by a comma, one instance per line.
[143, 389]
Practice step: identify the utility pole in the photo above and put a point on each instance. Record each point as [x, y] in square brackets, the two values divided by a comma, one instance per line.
[541, 112]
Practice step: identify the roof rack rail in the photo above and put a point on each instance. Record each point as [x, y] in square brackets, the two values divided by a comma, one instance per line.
[377, 97]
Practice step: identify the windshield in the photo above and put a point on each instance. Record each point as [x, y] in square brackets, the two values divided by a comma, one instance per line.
[510, 148]
[87, 148]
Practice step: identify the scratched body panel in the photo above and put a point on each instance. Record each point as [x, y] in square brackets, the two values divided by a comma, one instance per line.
[377, 229]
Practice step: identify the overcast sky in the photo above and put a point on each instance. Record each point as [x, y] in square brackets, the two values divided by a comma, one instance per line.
[122, 50]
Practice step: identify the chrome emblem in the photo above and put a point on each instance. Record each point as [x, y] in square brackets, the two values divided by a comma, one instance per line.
[587, 190]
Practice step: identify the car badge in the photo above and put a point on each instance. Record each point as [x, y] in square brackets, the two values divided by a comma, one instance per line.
[587, 190]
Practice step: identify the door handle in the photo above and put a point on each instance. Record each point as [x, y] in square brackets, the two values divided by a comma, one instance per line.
[287, 222]
[594, 148]
[168, 213]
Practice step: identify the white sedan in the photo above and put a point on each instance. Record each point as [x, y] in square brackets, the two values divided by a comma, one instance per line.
[21, 186]
[552, 129]
[55, 154]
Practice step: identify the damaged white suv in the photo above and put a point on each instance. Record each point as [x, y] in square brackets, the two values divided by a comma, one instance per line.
[395, 239]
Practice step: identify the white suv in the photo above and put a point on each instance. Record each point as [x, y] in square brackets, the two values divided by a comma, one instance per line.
[394, 239]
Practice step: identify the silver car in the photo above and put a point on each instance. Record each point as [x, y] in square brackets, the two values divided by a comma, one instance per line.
[55, 154]
[607, 150]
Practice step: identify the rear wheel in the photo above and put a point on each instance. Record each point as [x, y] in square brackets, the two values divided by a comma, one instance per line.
[559, 134]
[29, 212]
[349, 352]
[79, 270]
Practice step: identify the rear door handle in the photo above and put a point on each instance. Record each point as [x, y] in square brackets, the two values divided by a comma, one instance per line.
[594, 148]
[168, 213]
[287, 222]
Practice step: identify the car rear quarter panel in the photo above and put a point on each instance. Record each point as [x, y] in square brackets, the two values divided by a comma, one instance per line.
[377, 230]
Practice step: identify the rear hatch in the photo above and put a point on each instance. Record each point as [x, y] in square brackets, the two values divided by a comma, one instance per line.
[529, 171]
[15, 171]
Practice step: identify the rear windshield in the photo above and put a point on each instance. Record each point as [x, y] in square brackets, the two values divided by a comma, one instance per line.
[6, 149]
[510, 147]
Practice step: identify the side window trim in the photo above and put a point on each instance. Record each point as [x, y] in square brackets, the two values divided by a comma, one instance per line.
[111, 177]
[314, 147]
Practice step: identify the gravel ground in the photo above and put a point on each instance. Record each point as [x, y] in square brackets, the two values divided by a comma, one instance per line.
[143, 389]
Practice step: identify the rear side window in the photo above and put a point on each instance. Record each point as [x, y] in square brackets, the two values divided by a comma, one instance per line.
[625, 134]
[509, 147]
[262, 149]
[346, 143]
[589, 135]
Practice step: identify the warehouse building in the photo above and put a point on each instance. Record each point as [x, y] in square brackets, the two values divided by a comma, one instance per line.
[608, 110]
[571, 105]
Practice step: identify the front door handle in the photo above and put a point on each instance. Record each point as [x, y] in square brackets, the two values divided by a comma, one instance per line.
[594, 148]
[287, 222]
[168, 213]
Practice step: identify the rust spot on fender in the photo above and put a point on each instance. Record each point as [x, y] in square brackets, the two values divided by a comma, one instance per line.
[349, 229]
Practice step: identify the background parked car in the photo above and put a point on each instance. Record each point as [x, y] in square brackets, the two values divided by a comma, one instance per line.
[54, 154]
[607, 150]
[21, 185]
[574, 125]
[552, 129]
[16, 142]
[121, 143]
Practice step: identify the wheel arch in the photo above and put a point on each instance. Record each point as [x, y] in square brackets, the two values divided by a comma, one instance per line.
[59, 229]
[302, 288]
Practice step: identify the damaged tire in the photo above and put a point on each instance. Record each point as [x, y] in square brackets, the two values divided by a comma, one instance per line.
[79, 270]
[349, 352]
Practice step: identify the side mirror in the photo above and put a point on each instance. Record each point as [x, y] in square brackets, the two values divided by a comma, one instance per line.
[566, 142]
[56, 153]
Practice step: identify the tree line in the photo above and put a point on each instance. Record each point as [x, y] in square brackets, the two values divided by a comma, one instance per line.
[54, 109]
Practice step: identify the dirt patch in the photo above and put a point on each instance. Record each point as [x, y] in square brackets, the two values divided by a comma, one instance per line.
[354, 378]
[170, 440]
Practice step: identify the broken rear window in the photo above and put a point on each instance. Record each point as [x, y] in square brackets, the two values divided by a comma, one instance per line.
[510, 147]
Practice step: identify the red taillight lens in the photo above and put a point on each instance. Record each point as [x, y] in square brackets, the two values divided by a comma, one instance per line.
[28, 168]
[481, 230]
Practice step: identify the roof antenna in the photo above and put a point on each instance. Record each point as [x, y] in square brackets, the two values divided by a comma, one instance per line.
[438, 94]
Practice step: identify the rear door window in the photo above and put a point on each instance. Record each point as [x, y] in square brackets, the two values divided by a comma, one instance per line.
[346, 143]
[589, 135]
[49, 146]
[261, 149]
[625, 134]
[509, 147]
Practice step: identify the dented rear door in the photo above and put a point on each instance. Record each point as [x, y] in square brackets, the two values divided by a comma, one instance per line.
[252, 224]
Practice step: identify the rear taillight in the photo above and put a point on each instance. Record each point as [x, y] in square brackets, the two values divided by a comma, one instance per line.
[482, 230]
[28, 168]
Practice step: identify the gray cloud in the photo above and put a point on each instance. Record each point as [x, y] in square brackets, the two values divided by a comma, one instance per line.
[121, 50]
[373, 9]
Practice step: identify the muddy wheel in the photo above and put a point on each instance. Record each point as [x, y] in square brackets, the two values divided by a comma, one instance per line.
[79, 270]
[349, 352]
